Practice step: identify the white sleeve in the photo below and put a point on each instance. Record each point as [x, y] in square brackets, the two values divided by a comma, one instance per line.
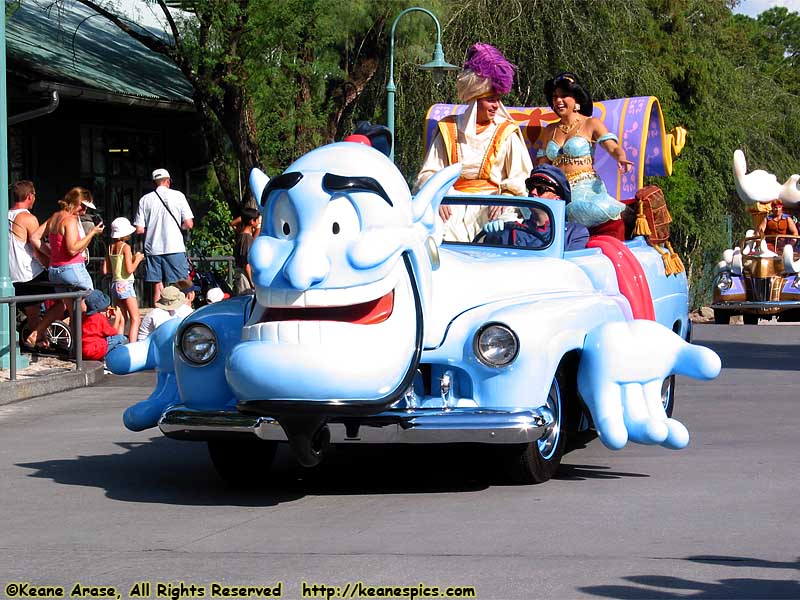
[517, 166]
[186, 211]
[435, 161]
[139, 220]
[146, 326]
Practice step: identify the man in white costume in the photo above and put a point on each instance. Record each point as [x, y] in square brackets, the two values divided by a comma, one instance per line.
[485, 140]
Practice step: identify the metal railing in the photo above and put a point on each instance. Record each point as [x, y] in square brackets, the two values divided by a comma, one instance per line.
[75, 324]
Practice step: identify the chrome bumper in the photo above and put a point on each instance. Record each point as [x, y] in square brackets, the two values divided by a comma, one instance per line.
[766, 306]
[393, 427]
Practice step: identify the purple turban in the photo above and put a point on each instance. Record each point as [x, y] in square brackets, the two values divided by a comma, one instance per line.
[487, 61]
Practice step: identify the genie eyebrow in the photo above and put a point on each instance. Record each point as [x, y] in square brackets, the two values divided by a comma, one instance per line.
[340, 183]
[286, 181]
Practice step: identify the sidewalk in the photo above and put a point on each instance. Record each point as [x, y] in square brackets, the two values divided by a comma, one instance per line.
[47, 374]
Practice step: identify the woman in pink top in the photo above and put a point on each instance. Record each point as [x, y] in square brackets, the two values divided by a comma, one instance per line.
[67, 243]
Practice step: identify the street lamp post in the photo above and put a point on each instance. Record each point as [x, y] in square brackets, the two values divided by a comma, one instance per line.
[6, 287]
[438, 67]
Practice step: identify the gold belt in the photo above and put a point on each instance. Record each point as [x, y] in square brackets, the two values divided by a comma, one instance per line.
[582, 175]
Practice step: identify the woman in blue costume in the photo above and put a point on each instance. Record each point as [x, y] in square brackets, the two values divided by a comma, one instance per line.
[569, 145]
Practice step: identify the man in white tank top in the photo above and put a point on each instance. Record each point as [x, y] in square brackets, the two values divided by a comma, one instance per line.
[26, 261]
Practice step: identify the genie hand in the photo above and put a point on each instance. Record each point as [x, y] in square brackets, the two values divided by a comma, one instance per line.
[620, 377]
[494, 226]
[154, 352]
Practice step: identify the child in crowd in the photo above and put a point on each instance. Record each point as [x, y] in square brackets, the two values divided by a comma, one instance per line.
[99, 336]
[171, 304]
[189, 290]
[249, 228]
[122, 264]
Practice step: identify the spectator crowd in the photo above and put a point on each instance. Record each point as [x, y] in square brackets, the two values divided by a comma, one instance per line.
[51, 256]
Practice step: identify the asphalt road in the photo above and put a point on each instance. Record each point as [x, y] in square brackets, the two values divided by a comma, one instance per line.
[85, 500]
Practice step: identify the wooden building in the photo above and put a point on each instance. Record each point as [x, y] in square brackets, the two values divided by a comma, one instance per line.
[88, 105]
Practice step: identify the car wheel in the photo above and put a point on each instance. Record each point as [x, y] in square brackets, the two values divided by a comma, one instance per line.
[722, 317]
[538, 461]
[242, 463]
[750, 319]
[668, 394]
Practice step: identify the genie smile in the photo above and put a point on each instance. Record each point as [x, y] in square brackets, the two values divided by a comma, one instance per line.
[280, 312]
[363, 313]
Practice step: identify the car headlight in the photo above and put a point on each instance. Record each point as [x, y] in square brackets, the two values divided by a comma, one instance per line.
[496, 345]
[198, 344]
[724, 281]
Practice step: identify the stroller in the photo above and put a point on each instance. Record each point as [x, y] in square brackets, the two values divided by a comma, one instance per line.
[207, 278]
[58, 335]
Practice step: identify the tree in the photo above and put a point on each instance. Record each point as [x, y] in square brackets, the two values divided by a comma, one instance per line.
[782, 28]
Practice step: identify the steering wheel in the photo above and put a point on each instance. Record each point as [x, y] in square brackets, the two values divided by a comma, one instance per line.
[518, 227]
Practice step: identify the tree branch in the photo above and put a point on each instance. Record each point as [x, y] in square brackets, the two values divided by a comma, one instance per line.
[154, 44]
[172, 26]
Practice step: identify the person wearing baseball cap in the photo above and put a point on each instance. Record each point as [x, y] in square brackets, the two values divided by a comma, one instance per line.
[98, 335]
[216, 294]
[485, 139]
[545, 181]
[68, 241]
[163, 216]
[189, 290]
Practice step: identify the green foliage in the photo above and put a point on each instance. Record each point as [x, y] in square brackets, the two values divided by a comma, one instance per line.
[212, 235]
[317, 56]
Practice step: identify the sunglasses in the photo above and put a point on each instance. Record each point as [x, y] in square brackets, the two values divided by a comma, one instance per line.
[541, 188]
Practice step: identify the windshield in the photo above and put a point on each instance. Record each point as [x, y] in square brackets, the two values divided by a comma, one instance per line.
[494, 221]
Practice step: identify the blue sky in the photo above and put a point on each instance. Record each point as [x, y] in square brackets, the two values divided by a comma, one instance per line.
[753, 8]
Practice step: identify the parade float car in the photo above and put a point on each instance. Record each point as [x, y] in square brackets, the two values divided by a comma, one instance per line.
[365, 329]
[758, 279]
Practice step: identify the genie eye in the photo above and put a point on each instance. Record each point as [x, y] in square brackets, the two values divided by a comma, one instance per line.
[283, 222]
[342, 218]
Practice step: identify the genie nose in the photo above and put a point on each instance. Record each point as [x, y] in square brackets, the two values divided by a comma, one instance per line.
[307, 266]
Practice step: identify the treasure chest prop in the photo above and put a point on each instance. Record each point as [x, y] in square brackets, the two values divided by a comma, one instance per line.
[647, 215]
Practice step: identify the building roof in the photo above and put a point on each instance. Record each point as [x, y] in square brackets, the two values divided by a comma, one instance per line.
[70, 45]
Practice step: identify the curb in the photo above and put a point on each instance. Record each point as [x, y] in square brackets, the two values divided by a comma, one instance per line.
[14, 391]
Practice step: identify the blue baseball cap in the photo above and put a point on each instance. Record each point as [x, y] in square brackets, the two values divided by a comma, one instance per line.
[552, 176]
[96, 302]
